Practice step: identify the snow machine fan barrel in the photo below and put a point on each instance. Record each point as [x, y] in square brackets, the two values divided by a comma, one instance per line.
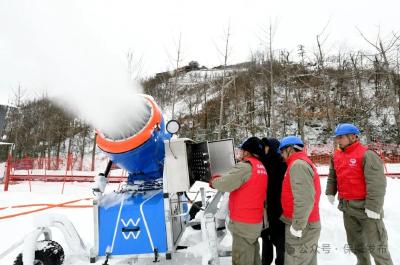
[140, 150]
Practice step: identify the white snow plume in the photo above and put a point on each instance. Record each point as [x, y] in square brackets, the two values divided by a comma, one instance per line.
[118, 113]
[58, 51]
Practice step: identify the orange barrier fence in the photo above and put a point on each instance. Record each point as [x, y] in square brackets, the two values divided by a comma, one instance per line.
[68, 162]
[10, 179]
[390, 175]
[62, 178]
[320, 154]
[42, 169]
[47, 206]
[50, 169]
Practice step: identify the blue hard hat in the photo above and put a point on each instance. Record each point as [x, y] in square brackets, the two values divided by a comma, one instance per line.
[346, 128]
[290, 140]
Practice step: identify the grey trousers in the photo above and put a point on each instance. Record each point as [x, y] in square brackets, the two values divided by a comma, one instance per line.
[367, 236]
[245, 251]
[302, 251]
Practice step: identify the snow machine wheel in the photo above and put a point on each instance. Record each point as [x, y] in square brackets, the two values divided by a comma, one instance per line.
[48, 253]
[196, 207]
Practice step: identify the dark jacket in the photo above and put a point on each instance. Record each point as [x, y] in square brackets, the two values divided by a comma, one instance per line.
[276, 168]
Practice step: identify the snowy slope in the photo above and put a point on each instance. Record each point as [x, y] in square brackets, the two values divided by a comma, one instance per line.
[332, 244]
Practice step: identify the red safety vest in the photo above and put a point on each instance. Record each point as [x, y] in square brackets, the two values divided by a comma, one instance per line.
[348, 165]
[246, 203]
[287, 194]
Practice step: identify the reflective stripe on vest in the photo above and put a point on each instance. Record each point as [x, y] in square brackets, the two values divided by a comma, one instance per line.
[348, 165]
[246, 204]
[287, 193]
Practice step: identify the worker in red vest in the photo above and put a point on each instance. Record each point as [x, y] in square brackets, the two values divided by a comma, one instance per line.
[247, 184]
[357, 175]
[301, 191]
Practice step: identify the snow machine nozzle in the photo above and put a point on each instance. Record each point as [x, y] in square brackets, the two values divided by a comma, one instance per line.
[142, 152]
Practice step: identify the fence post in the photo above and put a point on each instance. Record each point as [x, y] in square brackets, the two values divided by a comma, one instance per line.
[305, 150]
[8, 172]
[81, 163]
[69, 167]
[58, 162]
[382, 156]
[29, 181]
[48, 160]
[45, 169]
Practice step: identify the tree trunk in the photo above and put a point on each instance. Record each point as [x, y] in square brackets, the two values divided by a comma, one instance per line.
[329, 113]
[222, 94]
[395, 100]
[175, 88]
[93, 152]
[82, 155]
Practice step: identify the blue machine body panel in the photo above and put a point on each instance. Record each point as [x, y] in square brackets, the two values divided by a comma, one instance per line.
[146, 161]
[140, 226]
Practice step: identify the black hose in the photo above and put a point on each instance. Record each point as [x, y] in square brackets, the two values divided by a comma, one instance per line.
[108, 168]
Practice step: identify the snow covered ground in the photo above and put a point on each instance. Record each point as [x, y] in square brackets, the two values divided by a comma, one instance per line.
[332, 244]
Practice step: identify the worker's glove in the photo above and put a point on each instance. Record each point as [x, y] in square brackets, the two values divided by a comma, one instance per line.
[100, 183]
[331, 199]
[215, 176]
[372, 214]
[296, 233]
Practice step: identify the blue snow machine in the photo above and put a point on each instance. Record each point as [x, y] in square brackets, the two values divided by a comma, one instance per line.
[143, 221]
[147, 216]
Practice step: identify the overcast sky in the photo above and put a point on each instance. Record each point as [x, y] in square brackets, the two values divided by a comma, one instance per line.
[68, 46]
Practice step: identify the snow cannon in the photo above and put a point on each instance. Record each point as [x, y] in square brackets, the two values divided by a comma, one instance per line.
[145, 220]
[140, 150]
[148, 216]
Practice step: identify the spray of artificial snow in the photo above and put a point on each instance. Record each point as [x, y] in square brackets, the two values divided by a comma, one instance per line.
[77, 65]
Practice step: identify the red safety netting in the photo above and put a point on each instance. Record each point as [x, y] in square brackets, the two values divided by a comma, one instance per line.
[69, 168]
[69, 161]
[77, 169]
[320, 154]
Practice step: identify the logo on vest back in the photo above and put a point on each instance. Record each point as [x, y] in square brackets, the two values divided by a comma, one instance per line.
[261, 169]
[353, 162]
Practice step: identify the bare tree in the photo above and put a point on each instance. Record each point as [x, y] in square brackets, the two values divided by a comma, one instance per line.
[269, 94]
[222, 91]
[271, 85]
[175, 87]
[92, 167]
[362, 101]
[135, 65]
[205, 107]
[325, 80]
[15, 118]
[384, 49]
